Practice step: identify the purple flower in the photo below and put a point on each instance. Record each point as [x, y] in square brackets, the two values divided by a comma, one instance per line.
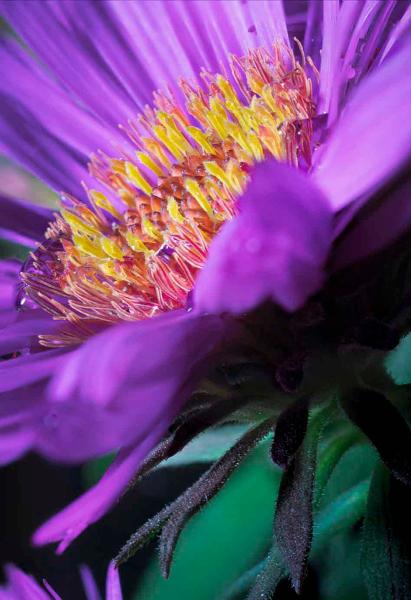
[254, 177]
[21, 586]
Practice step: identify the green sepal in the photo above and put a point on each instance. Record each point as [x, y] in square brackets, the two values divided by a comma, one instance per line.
[224, 540]
[386, 544]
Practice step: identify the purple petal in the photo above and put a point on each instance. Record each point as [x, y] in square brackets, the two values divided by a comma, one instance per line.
[40, 125]
[153, 352]
[398, 34]
[22, 586]
[124, 380]
[353, 34]
[50, 590]
[24, 370]
[330, 19]
[14, 443]
[9, 270]
[195, 35]
[113, 587]
[119, 383]
[89, 584]
[109, 54]
[23, 222]
[370, 143]
[24, 332]
[90, 52]
[21, 407]
[275, 249]
[380, 227]
[141, 374]
[91, 506]
[313, 32]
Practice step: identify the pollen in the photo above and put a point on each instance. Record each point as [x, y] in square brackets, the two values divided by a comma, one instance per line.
[134, 248]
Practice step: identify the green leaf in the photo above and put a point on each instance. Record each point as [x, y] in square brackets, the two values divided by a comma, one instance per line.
[330, 456]
[340, 514]
[338, 568]
[398, 362]
[355, 466]
[12, 250]
[386, 552]
[93, 471]
[223, 541]
[207, 447]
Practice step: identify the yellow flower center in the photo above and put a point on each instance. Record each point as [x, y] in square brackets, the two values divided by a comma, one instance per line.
[135, 249]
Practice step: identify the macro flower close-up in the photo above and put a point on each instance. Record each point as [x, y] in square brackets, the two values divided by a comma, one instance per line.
[205, 324]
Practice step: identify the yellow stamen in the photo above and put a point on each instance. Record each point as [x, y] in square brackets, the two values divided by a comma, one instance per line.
[111, 248]
[151, 230]
[77, 225]
[173, 210]
[136, 178]
[193, 187]
[136, 244]
[100, 200]
[163, 136]
[148, 162]
[88, 247]
[217, 172]
[157, 151]
[201, 139]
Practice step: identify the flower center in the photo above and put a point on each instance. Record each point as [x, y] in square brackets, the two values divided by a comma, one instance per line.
[134, 250]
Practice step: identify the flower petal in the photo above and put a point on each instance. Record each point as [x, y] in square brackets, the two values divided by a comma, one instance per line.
[24, 370]
[379, 227]
[196, 36]
[353, 33]
[398, 33]
[372, 139]
[90, 52]
[24, 331]
[110, 57]
[113, 587]
[150, 353]
[275, 249]
[23, 222]
[89, 583]
[9, 270]
[14, 443]
[40, 125]
[22, 586]
[91, 506]
[144, 371]
[124, 380]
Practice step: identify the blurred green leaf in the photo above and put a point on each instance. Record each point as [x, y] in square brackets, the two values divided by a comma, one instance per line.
[338, 567]
[398, 362]
[223, 541]
[11, 250]
[355, 466]
[207, 447]
[329, 457]
[94, 470]
[385, 552]
[340, 514]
